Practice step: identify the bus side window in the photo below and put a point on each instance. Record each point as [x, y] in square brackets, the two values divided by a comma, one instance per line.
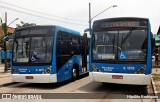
[64, 43]
[74, 46]
[59, 46]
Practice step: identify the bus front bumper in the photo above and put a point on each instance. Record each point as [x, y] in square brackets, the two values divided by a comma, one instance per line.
[34, 78]
[120, 78]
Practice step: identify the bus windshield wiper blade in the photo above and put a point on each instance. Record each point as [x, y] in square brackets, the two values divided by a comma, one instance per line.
[129, 33]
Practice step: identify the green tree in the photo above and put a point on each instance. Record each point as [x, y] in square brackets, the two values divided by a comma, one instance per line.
[23, 24]
[5, 29]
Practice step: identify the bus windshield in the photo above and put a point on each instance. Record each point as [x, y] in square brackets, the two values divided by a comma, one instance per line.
[120, 45]
[33, 49]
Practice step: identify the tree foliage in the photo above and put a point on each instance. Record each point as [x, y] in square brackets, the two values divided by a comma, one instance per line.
[23, 24]
[5, 29]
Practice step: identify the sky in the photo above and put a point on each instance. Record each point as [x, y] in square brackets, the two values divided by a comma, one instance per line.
[74, 14]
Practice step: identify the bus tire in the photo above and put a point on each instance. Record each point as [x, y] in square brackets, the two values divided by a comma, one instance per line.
[74, 72]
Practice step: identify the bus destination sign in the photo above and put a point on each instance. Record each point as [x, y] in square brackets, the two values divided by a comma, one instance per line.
[34, 31]
[26, 32]
[122, 24]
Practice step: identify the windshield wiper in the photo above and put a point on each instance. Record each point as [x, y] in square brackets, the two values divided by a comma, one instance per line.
[127, 36]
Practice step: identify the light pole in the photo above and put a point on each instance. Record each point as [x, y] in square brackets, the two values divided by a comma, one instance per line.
[90, 19]
[13, 21]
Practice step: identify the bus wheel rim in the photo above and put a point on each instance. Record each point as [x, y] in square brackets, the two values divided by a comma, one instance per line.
[74, 73]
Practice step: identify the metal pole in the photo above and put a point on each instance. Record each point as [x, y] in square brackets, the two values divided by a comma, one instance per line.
[90, 32]
[90, 18]
[5, 48]
[13, 21]
[6, 18]
[104, 11]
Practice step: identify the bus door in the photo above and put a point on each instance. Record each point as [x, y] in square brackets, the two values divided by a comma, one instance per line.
[84, 48]
[63, 57]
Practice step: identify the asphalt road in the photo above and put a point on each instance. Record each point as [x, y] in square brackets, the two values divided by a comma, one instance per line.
[81, 90]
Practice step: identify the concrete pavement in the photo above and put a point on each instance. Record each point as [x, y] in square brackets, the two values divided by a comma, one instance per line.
[3, 73]
[156, 70]
[156, 81]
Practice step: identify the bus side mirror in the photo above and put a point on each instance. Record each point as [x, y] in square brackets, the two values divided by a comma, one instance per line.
[85, 35]
[156, 49]
[87, 30]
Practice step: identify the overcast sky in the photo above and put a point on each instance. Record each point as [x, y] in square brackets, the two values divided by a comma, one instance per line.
[74, 13]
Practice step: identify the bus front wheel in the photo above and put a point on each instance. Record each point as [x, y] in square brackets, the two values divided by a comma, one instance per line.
[74, 74]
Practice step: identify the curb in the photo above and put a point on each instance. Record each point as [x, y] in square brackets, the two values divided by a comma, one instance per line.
[5, 72]
[4, 76]
[154, 89]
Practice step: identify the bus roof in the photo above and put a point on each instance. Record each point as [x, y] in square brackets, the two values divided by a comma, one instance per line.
[121, 19]
[67, 30]
[120, 22]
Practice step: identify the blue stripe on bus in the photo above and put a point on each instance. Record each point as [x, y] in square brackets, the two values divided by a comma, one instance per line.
[58, 28]
[149, 56]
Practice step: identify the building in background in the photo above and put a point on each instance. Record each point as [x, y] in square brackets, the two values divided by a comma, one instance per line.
[11, 30]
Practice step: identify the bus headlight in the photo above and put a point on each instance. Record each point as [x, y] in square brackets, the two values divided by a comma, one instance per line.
[141, 70]
[95, 69]
[47, 71]
[14, 71]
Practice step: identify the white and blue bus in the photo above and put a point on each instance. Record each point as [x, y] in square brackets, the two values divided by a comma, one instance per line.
[48, 54]
[121, 51]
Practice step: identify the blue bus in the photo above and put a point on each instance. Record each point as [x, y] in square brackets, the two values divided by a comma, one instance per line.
[48, 54]
[121, 51]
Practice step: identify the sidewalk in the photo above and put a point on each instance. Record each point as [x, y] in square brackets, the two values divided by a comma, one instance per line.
[156, 78]
[2, 73]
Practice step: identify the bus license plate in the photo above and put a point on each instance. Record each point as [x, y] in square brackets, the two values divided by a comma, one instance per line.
[117, 77]
[29, 77]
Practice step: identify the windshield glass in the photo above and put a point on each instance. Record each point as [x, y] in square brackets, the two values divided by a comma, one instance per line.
[33, 49]
[126, 45]
[33, 46]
